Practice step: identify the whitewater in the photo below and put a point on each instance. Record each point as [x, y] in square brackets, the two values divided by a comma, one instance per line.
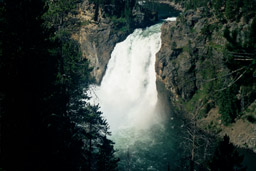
[127, 95]
[128, 98]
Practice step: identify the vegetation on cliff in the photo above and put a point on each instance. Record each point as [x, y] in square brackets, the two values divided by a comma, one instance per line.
[116, 9]
[235, 21]
[207, 62]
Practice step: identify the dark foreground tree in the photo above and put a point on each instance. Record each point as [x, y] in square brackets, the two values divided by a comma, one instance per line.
[226, 157]
[46, 124]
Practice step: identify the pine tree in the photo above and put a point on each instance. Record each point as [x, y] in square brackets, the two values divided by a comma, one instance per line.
[226, 157]
[106, 160]
[44, 118]
[218, 4]
[228, 105]
[231, 9]
[128, 13]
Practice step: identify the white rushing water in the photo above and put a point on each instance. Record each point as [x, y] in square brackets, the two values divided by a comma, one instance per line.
[127, 94]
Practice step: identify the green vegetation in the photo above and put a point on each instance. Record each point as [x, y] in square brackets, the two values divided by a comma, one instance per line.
[229, 84]
[84, 23]
[174, 45]
[120, 23]
[213, 127]
[225, 10]
[46, 124]
[118, 10]
[208, 29]
[233, 89]
[240, 56]
[227, 103]
[230, 8]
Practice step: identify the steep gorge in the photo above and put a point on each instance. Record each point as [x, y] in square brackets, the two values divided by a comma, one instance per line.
[189, 65]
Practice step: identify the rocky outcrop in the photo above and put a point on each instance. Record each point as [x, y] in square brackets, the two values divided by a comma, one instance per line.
[98, 38]
[183, 54]
[190, 57]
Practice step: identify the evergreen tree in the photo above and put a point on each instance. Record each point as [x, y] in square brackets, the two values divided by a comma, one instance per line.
[44, 118]
[128, 13]
[227, 103]
[106, 160]
[226, 157]
[231, 8]
[56, 15]
[218, 4]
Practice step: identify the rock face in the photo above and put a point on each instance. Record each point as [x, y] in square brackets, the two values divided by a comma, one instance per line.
[182, 54]
[192, 55]
[98, 38]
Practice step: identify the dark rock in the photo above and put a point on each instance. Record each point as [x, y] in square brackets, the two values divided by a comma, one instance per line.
[179, 68]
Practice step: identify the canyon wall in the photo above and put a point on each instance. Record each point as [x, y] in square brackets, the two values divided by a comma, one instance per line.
[98, 38]
[190, 61]
[188, 65]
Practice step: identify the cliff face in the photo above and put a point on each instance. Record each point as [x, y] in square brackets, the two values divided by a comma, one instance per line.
[98, 38]
[184, 52]
[188, 65]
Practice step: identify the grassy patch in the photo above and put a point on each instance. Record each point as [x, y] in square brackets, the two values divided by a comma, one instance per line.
[203, 97]
[124, 28]
[213, 127]
[116, 20]
[185, 48]
[217, 47]
[195, 100]
[85, 23]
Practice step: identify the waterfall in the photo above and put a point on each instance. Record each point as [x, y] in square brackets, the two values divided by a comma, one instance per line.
[127, 94]
[128, 99]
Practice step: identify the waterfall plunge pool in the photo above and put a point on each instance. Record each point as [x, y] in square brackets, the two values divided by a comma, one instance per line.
[128, 99]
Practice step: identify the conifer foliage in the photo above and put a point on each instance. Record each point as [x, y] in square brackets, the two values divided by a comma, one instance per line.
[46, 124]
[226, 157]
